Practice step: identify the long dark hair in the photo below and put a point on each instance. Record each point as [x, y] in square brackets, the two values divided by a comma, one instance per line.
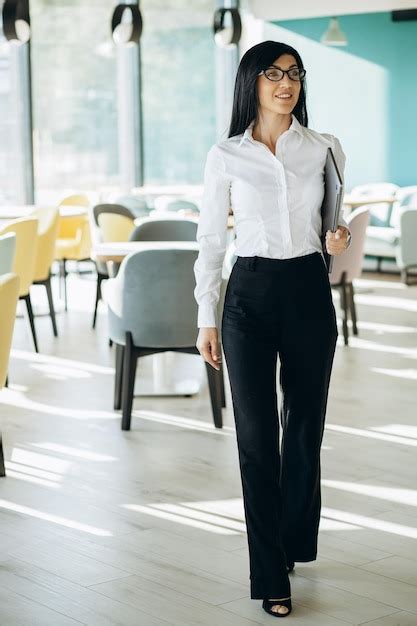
[245, 99]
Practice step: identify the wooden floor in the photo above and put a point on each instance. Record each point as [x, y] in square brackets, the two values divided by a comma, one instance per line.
[100, 526]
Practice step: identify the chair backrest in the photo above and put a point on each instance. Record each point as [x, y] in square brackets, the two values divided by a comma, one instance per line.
[374, 189]
[26, 230]
[7, 252]
[407, 196]
[114, 227]
[77, 229]
[351, 260]
[165, 230]
[117, 209]
[138, 205]
[77, 199]
[153, 298]
[178, 205]
[406, 251]
[9, 293]
[380, 213]
[47, 234]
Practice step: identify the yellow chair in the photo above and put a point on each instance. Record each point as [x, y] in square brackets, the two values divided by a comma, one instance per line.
[114, 227]
[77, 199]
[74, 237]
[9, 293]
[26, 230]
[47, 234]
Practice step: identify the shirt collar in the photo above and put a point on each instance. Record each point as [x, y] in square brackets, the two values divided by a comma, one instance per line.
[295, 125]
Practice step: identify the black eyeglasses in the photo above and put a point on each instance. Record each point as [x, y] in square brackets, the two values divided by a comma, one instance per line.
[275, 73]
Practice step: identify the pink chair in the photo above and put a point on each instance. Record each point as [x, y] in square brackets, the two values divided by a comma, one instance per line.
[348, 266]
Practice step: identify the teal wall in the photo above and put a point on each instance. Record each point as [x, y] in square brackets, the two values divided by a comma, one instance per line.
[365, 92]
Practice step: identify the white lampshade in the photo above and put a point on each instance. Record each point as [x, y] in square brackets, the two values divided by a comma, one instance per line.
[22, 31]
[122, 33]
[333, 35]
[224, 36]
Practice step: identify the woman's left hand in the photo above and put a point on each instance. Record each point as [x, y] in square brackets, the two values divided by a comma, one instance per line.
[336, 243]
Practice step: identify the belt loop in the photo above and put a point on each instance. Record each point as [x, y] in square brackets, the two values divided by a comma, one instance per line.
[252, 265]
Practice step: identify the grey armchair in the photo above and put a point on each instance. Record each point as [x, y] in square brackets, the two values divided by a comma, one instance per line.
[151, 309]
[101, 267]
[165, 230]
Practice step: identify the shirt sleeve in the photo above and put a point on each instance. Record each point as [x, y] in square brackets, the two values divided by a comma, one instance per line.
[340, 158]
[212, 238]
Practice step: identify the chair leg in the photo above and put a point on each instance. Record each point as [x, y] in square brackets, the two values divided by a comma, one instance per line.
[352, 307]
[343, 302]
[128, 382]
[404, 276]
[2, 466]
[222, 389]
[31, 320]
[63, 277]
[51, 305]
[98, 297]
[214, 381]
[118, 377]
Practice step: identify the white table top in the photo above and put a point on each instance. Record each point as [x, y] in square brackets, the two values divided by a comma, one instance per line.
[12, 212]
[115, 250]
[353, 200]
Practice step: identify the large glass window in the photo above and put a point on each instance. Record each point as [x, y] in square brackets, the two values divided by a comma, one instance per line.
[74, 88]
[178, 89]
[13, 187]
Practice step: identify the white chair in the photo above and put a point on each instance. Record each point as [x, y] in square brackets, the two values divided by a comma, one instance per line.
[348, 266]
[406, 250]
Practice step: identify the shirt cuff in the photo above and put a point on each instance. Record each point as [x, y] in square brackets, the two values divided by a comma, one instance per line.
[207, 316]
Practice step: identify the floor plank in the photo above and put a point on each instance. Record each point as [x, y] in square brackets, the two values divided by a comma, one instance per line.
[100, 526]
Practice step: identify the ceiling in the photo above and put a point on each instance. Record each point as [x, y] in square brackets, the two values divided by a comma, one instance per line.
[279, 10]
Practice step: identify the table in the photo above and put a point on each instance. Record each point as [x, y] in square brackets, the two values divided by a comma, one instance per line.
[354, 201]
[117, 250]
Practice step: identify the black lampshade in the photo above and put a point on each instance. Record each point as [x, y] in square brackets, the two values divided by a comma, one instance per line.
[16, 20]
[124, 30]
[226, 36]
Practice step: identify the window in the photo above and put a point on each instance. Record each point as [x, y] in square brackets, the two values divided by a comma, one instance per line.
[178, 89]
[74, 86]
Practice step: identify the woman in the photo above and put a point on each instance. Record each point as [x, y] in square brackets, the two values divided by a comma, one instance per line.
[278, 301]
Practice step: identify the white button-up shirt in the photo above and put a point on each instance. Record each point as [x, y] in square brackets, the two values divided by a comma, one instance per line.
[276, 202]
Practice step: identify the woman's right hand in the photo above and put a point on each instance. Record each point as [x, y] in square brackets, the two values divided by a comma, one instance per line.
[208, 346]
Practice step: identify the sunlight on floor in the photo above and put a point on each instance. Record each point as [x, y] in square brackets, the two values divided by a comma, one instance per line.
[191, 514]
[363, 521]
[366, 344]
[362, 432]
[55, 519]
[408, 374]
[35, 357]
[390, 494]
[16, 399]
[74, 452]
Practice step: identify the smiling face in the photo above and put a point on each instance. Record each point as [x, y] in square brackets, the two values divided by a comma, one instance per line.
[273, 95]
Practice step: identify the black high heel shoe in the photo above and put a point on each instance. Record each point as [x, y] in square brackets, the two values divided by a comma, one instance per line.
[290, 566]
[268, 604]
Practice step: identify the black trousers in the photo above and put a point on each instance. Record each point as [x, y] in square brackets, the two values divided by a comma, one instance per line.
[285, 307]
